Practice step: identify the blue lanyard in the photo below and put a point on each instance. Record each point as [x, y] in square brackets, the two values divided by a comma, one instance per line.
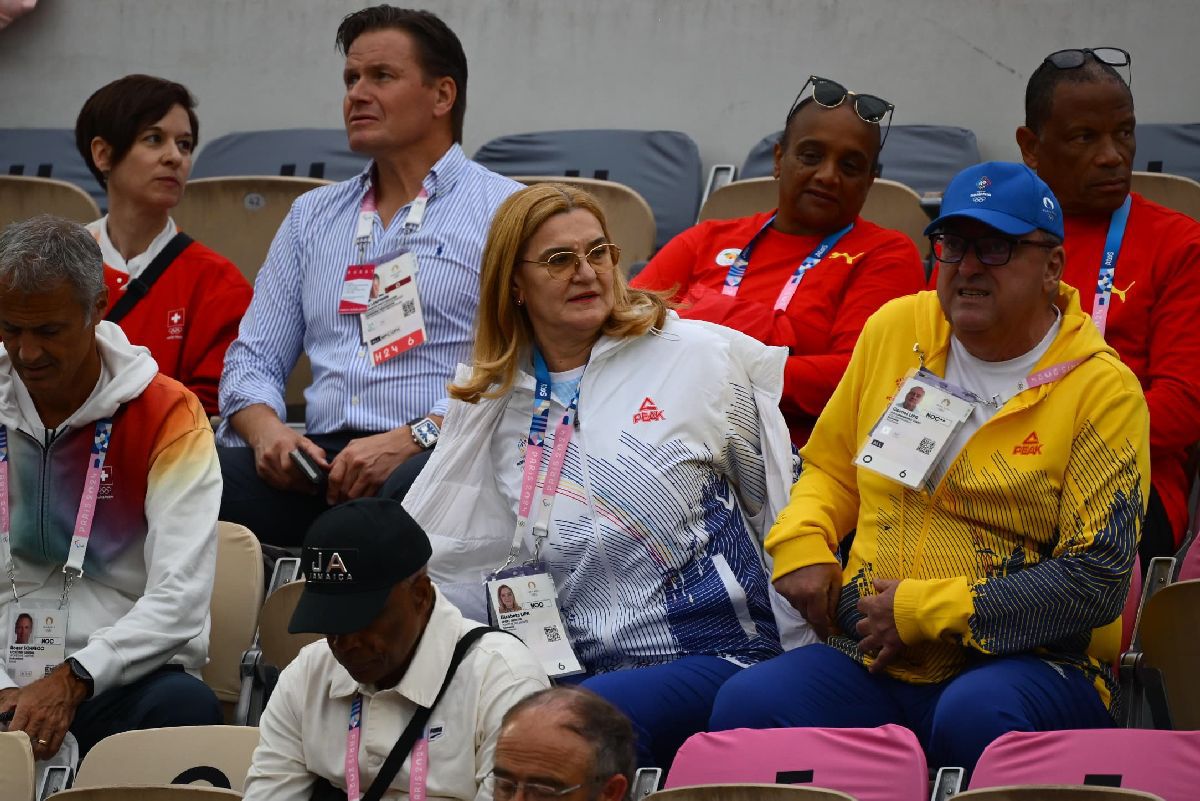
[737, 270]
[1108, 264]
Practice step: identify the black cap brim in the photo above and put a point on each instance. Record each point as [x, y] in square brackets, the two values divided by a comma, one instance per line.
[337, 613]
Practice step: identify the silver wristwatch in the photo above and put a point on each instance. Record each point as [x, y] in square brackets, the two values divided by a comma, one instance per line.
[424, 432]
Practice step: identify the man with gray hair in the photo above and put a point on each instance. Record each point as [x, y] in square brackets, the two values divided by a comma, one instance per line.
[563, 744]
[109, 491]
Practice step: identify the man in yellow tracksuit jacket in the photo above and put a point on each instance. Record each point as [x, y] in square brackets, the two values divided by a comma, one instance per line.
[989, 599]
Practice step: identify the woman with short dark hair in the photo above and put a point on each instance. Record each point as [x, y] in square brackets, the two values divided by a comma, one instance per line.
[175, 296]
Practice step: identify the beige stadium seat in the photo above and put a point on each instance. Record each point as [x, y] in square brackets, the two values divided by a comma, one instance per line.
[1167, 630]
[889, 204]
[23, 197]
[238, 217]
[16, 767]
[236, 600]
[630, 220]
[133, 793]
[204, 756]
[1173, 191]
[1041, 792]
[741, 199]
[279, 647]
[750, 792]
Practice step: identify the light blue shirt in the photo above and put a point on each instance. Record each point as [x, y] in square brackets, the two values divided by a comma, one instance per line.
[297, 291]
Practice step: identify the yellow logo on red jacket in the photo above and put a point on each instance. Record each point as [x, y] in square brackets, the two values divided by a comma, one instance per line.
[1030, 446]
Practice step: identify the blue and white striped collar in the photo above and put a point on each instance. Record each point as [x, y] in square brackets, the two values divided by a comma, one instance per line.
[441, 178]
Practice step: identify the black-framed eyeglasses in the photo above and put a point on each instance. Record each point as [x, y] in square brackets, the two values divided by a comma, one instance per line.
[1076, 57]
[831, 94]
[993, 251]
[504, 788]
[562, 265]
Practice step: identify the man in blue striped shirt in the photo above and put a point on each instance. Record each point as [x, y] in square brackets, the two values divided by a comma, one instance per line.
[369, 425]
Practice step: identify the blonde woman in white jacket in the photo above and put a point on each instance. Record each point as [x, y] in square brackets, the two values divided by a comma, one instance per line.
[678, 458]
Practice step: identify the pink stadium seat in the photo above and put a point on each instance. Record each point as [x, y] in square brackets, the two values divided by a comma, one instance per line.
[1166, 763]
[881, 764]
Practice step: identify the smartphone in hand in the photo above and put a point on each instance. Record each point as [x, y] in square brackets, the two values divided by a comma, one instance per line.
[305, 464]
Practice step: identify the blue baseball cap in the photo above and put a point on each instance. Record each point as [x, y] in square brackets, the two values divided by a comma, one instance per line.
[1009, 197]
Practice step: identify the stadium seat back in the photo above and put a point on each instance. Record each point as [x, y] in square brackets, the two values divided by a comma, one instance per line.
[662, 166]
[751, 792]
[208, 756]
[889, 204]
[1173, 191]
[1057, 793]
[22, 198]
[48, 153]
[143, 793]
[236, 600]
[630, 220]
[279, 647]
[321, 153]
[17, 771]
[1170, 644]
[922, 157]
[1169, 147]
[1165, 763]
[880, 764]
[239, 217]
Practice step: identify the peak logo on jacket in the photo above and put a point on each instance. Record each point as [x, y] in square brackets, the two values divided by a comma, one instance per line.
[1030, 446]
[175, 320]
[648, 413]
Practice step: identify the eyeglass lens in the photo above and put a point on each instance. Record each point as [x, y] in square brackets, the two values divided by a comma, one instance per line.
[601, 258]
[993, 251]
[831, 94]
[1073, 58]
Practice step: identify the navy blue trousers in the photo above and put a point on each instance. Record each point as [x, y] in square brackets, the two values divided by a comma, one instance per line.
[955, 720]
[666, 703]
[166, 697]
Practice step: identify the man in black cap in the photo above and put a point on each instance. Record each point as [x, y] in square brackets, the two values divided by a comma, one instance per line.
[394, 649]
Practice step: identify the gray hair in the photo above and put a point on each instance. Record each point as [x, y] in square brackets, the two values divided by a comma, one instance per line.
[597, 721]
[38, 254]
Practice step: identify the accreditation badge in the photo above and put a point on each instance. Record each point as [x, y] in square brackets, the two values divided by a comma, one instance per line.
[37, 639]
[393, 322]
[522, 600]
[912, 434]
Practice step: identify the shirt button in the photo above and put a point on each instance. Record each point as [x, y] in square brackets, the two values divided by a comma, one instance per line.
[362, 351]
[354, 400]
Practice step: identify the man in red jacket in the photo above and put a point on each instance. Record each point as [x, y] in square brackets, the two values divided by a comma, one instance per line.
[807, 275]
[1134, 262]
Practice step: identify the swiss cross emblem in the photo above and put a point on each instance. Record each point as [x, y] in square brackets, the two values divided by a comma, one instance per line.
[175, 321]
[106, 482]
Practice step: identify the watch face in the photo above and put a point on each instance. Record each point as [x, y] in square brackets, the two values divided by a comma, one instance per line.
[425, 432]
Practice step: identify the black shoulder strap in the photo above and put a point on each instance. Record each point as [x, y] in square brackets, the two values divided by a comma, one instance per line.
[412, 732]
[139, 286]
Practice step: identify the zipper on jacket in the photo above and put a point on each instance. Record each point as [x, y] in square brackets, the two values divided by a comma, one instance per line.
[44, 447]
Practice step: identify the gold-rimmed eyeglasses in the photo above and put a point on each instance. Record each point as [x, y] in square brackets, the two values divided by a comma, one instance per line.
[562, 265]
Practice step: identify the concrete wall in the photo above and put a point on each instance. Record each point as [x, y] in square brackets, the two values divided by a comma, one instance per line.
[724, 71]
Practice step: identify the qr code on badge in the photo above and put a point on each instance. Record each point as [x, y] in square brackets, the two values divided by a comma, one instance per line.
[926, 446]
[409, 307]
[552, 633]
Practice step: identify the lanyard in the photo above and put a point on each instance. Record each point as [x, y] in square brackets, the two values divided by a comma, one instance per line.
[737, 270]
[534, 448]
[1046, 375]
[1108, 265]
[367, 212]
[84, 518]
[418, 765]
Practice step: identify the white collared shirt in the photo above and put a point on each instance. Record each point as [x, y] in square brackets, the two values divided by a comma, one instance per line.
[303, 729]
[135, 266]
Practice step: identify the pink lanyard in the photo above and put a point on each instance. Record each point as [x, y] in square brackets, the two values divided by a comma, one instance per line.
[367, 212]
[84, 518]
[418, 764]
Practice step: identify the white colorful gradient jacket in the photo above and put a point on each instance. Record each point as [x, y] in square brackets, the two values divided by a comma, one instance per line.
[148, 577]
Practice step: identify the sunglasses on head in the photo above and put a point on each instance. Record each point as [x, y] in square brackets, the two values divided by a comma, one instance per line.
[831, 94]
[1074, 58]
